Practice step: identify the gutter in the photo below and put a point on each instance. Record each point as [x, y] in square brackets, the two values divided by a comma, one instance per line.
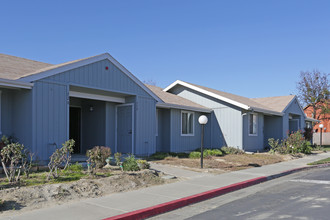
[266, 111]
[15, 84]
[196, 109]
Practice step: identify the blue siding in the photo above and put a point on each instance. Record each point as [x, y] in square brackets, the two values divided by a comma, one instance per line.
[293, 109]
[50, 117]
[253, 143]
[7, 97]
[226, 120]
[145, 126]
[181, 143]
[22, 117]
[96, 76]
[164, 130]
[273, 126]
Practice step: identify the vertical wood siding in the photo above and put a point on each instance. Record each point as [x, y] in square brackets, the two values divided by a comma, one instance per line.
[96, 76]
[50, 117]
[145, 126]
[226, 120]
[184, 143]
[253, 143]
[7, 98]
[293, 109]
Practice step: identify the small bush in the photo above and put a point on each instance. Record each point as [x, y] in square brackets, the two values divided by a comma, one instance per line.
[159, 156]
[143, 164]
[130, 164]
[118, 158]
[12, 154]
[231, 150]
[195, 155]
[61, 157]
[213, 152]
[98, 155]
[75, 167]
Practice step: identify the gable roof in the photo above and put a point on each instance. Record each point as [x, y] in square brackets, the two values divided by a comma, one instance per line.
[277, 103]
[269, 105]
[30, 70]
[174, 101]
[12, 67]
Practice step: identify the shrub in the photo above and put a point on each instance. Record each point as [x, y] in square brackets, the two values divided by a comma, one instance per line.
[213, 152]
[143, 164]
[231, 150]
[195, 155]
[98, 155]
[118, 158]
[159, 156]
[61, 157]
[12, 154]
[295, 143]
[308, 134]
[130, 164]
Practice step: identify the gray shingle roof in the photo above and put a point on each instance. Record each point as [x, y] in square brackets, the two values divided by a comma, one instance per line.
[170, 98]
[13, 68]
[277, 103]
[274, 104]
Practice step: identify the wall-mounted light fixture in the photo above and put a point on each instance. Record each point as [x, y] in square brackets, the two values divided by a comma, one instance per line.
[91, 108]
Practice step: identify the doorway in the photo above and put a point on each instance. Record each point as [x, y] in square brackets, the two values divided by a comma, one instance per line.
[75, 128]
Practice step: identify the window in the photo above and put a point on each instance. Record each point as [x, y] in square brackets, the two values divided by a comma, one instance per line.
[187, 123]
[253, 124]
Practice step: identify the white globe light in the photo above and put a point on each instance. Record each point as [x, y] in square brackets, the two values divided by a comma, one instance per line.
[321, 125]
[202, 119]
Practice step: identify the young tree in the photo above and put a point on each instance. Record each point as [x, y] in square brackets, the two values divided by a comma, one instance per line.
[313, 90]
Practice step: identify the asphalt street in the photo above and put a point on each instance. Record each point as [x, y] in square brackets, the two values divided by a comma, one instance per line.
[304, 195]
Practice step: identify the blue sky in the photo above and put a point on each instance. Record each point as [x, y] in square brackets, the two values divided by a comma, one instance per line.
[254, 48]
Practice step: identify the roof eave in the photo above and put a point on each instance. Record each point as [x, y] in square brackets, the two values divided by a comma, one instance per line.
[15, 84]
[183, 107]
[203, 91]
[266, 111]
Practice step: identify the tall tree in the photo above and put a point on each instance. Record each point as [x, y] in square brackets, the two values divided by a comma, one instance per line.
[313, 90]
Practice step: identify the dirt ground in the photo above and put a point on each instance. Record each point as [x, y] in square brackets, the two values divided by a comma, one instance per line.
[228, 162]
[34, 197]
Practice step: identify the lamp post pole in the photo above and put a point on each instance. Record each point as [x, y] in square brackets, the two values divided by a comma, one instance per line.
[321, 127]
[202, 120]
[202, 142]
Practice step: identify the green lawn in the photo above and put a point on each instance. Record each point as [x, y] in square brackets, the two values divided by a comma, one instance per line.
[324, 161]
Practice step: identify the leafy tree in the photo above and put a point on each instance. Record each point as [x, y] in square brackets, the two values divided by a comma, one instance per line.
[313, 90]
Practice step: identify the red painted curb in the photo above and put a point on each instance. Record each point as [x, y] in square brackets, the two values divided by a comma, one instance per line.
[175, 204]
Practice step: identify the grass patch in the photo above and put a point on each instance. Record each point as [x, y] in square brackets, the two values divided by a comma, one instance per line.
[162, 155]
[324, 161]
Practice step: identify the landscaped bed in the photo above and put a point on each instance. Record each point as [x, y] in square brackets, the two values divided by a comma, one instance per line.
[18, 199]
[230, 162]
[23, 187]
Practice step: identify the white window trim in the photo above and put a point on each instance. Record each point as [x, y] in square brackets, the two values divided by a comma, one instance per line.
[256, 134]
[193, 131]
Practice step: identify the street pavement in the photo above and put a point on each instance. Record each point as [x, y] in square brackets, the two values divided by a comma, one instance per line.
[189, 185]
[304, 195]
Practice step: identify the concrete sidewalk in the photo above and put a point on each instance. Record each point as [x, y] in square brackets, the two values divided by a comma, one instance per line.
[193, 183]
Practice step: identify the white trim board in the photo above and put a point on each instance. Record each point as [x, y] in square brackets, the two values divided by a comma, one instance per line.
[79, 63]
[96, 97]
[243, 106]
[15, 84]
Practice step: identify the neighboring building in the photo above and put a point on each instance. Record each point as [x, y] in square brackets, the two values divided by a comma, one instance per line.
[243, 122]
[322, 119]
[97, 101]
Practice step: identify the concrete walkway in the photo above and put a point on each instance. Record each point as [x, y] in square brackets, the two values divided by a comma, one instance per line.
[193, 183]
